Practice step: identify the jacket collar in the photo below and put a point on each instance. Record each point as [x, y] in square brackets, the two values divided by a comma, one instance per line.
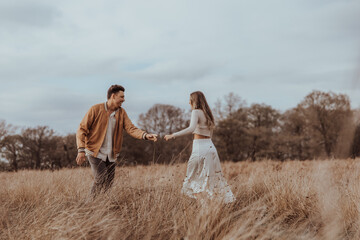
[106, 109]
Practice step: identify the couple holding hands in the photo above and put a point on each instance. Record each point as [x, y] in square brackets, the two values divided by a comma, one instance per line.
[100, 134]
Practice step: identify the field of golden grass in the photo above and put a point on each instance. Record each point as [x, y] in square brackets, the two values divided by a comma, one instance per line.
[289, 200]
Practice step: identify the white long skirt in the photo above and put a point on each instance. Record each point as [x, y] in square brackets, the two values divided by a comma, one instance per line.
[204, 178]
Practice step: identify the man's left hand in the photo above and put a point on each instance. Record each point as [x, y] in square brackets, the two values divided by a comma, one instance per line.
[152, 137]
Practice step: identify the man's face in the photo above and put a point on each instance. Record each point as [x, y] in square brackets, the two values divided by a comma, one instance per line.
[118, 98]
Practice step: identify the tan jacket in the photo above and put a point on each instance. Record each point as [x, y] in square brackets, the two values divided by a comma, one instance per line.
[92, 129]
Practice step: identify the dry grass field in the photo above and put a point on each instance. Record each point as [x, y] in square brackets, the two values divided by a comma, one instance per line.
[290, 200]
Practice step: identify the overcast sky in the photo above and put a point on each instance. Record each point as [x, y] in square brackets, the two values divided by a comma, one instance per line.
[58, 58]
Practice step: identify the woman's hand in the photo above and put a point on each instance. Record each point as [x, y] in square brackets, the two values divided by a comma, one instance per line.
[168, 137]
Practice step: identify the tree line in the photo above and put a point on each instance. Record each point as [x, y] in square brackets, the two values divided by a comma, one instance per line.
[322, 125]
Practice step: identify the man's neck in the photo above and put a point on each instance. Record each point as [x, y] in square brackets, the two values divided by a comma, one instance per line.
[110, 107]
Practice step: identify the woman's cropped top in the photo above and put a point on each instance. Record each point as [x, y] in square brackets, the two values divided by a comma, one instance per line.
[197, 125]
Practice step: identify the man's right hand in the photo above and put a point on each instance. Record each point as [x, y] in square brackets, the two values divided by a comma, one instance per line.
[80, 159]
[152, 137]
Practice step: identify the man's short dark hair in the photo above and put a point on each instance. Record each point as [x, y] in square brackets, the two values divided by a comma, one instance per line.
[114, 89]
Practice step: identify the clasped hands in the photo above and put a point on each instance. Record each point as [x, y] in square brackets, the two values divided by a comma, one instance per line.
[153, 137]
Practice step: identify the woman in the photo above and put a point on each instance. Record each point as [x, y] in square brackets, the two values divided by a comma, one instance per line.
[204, 178]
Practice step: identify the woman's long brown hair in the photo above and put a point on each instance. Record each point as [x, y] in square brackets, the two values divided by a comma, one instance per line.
[198, 101]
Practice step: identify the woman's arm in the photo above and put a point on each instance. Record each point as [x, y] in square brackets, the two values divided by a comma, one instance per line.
[193, 122]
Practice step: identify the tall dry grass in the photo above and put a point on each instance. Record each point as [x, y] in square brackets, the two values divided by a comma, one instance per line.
[290, 200]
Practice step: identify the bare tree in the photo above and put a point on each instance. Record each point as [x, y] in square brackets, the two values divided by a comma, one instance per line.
[5, 129]
[230, 104]
[9, 144]
[263, 121]
[327, 113]
[69, 149]
[230, 136]
[295, 140]
[162, 119]
[11, 149]
[35, 142]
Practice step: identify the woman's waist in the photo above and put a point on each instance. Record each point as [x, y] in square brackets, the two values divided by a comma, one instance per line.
[202, 141]
[199, 136]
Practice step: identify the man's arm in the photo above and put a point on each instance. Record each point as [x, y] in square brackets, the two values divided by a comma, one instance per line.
[136, 132]
[81, 134]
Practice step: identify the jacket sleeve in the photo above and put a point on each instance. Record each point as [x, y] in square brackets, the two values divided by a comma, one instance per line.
[131, 129]
[193, 122]
[84, 128]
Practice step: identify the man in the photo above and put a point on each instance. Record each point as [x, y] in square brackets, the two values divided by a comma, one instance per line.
[100, 135]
